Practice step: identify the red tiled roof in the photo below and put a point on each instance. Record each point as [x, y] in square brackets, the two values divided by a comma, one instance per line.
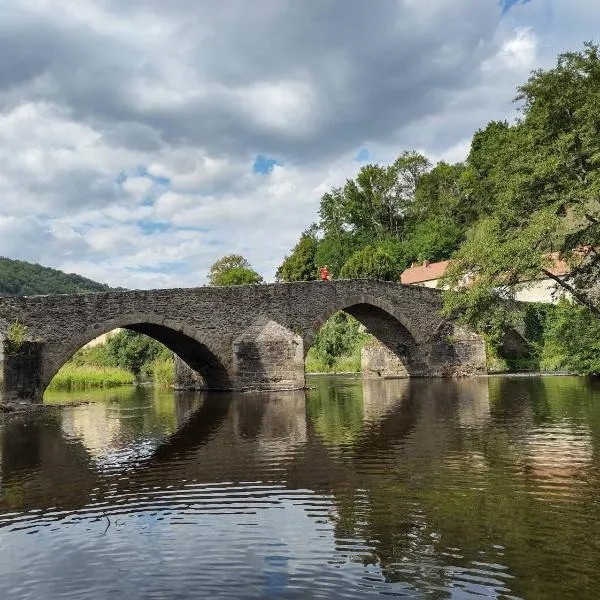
[431, 271]
[424, 272]
[559, 267]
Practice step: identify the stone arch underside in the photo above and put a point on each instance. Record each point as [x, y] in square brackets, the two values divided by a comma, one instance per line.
[396, 352]
[181, 340]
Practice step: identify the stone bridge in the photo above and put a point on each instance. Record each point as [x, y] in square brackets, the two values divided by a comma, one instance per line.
[239, 338]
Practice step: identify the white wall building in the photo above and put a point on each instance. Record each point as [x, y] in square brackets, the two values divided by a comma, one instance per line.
[544, 290]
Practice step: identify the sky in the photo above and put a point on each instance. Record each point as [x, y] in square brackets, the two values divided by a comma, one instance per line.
[140, 141]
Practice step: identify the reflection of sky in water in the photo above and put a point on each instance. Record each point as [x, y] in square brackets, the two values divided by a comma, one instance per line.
[421, 489]
[251, 553]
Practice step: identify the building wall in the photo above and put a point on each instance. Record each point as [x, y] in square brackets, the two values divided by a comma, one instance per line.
[544, 290]
[430, 284]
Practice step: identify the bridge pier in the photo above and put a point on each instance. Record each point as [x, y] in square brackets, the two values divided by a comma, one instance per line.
[186, 378]
[452, 352]
[21, 373]
[268, 356]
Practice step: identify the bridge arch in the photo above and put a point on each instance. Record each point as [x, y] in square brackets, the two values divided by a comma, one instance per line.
[399, 348]
[183, 340]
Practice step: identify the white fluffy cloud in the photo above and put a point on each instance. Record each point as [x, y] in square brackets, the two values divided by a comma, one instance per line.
[129, 131]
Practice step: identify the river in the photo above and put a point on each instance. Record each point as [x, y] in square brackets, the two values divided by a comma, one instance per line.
[480, 488]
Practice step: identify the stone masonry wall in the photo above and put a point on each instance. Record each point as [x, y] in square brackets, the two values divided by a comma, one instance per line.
[245, 336]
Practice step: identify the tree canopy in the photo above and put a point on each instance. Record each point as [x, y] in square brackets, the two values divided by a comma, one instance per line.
[233, 269]
[539, 183]
[383, 219]
[301, 264]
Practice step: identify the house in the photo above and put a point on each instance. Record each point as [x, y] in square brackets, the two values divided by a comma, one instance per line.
[544, 289]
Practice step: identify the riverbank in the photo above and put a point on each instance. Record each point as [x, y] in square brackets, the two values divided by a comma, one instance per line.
[74, 377]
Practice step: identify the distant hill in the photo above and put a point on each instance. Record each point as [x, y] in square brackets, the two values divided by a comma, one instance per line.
[20, 278]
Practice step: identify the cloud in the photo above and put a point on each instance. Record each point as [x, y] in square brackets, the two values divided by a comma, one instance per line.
[140, 141]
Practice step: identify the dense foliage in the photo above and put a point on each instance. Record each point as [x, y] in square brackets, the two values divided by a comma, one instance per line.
[20, 278]
[233, 269]
[301, 264]
[129, 351]
[384, 219]
[539, 182]
[337, 346]
[571, 340]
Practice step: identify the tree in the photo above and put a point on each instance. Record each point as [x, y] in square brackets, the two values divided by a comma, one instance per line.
[335, 249]
[540, 181]
[233, 269]
[341, 335]
[433, 239]
[377, 201]
[381, 261]
[301, 264]
[133, 351]
[571, 340]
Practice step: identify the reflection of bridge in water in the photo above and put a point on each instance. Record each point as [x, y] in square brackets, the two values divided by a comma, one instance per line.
[395, 473]
[258, 437]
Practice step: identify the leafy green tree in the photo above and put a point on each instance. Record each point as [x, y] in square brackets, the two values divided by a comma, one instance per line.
[571, 340]
[541, 180]
[133, 351]
[375, 262]
[233, 269]
[301, 264]
[335, 249]
[377, 201]
[340, 336]
[433, 239]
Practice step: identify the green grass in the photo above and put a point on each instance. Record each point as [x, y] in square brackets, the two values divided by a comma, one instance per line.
[316, 363]
[72, 377]
[162, 370]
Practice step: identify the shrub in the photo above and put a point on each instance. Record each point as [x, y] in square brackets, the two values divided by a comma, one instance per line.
[16, 335]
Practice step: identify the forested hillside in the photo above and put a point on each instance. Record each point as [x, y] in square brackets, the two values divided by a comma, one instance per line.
[20, 278]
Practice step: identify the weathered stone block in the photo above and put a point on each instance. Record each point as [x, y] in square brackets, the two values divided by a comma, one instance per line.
[22, 374]
[186, 378]
[267, 356]
[377, 360]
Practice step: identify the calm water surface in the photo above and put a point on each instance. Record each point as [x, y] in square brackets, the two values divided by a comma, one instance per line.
[423, 489]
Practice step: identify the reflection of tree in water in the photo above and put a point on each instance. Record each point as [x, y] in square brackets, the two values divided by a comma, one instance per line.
[422, 474]
[459, 493]
[336, 413]
[380, 505]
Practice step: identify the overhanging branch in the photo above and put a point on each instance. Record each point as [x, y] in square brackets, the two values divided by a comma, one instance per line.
[577, 295]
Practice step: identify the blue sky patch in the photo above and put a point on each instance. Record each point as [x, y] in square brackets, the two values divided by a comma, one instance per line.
[149, 227]
[508, 4]
[263, 164]
[362, 155]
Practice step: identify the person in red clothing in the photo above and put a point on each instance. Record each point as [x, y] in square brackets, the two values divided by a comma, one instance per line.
[324, 273]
